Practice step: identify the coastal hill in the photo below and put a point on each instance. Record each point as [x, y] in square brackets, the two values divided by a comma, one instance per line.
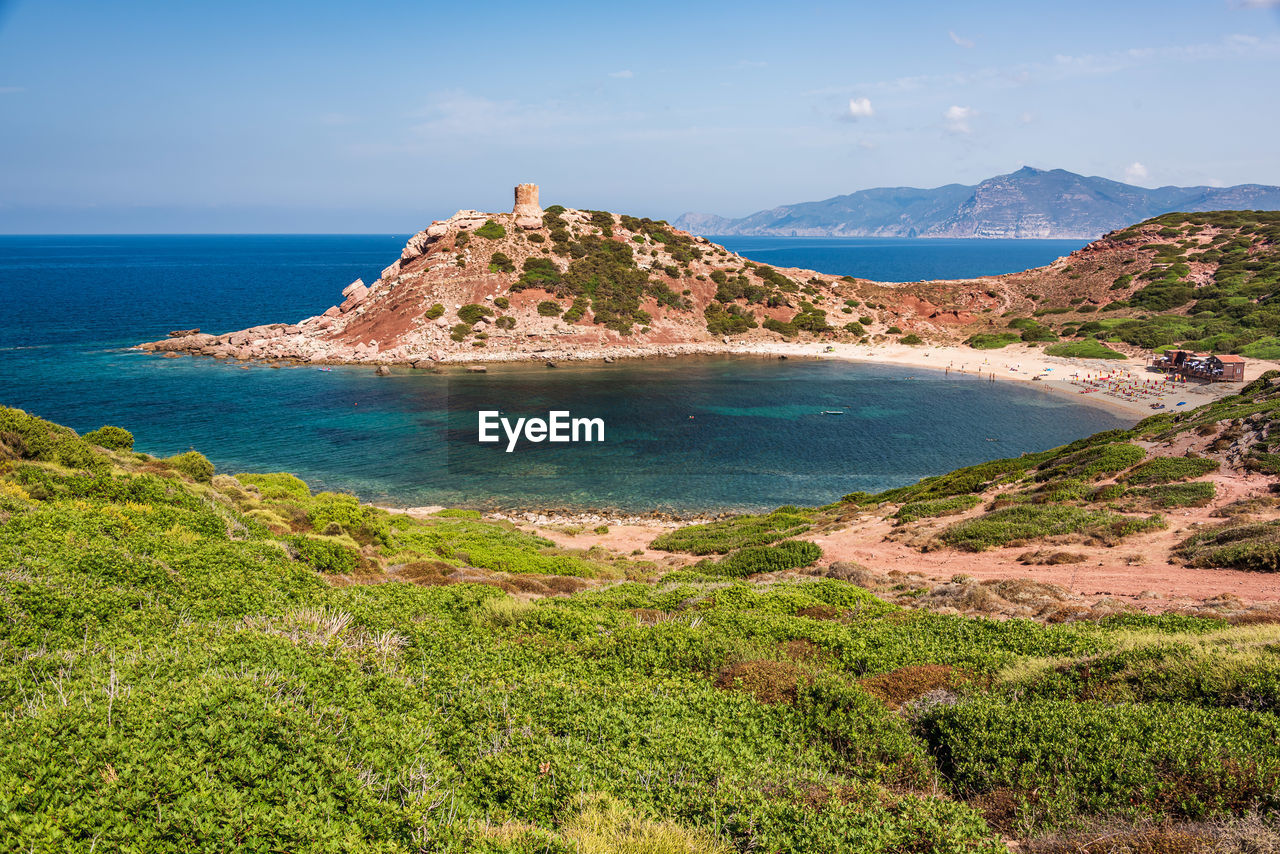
[574, 284]
[195, 660]
[1027, 203]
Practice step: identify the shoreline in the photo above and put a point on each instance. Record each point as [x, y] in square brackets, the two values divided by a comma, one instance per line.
[1016, 362]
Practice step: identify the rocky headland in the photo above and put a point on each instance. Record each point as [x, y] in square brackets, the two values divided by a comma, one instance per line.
[563, 284]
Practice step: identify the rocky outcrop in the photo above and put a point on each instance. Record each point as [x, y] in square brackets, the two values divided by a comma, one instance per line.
[458, 295]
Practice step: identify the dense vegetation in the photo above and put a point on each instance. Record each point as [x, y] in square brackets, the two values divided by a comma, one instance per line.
[1204, 281]
[602, 274]
[193, 661]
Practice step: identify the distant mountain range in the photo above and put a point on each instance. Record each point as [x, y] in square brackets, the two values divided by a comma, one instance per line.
[1031, 202]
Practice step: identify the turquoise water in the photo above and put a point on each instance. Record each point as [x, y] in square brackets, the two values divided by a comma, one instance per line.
[757, 437]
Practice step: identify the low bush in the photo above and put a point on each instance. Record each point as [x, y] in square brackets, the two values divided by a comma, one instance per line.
[500, 262]
[326, 555]
[115, 438]
[1197, 494]
[723, 536]
[936, 507]
[1170, 469]
[436, 310]
[1025, 522]
[788, 554]
[549, 308]
[193, 464]
[1065, 759]
[472, 313]
[277, 485]
[992, 341]
[1251, 546]
[1089, 348]
[491, 231]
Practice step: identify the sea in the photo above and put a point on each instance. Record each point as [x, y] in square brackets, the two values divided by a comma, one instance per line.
[689, 435]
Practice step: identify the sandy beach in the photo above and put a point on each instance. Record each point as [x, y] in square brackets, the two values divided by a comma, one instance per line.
[1078, 378]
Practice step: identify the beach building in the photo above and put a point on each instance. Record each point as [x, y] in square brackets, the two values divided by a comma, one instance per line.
[1201, 366]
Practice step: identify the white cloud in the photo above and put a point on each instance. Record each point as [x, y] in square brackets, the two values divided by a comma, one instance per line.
[623, 75]
[860, 108]
[1135, 172]
[957, 118]
[960, 40]
[1256, 4]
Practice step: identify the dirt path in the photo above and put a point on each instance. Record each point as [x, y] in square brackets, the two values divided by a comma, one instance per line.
[1136, 568]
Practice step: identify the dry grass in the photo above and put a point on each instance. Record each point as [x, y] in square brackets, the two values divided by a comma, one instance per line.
[768, 681]
[1050, 558]
[1248, 835]
[907, 683]
[602, 825]
[820, 612]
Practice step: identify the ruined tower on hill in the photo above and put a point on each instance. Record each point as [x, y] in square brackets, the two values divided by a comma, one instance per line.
[528, 212]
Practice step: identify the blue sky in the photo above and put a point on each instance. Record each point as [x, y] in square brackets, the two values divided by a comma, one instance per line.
[342, 117]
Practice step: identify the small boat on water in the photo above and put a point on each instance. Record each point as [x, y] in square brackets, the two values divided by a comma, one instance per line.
[832, 412]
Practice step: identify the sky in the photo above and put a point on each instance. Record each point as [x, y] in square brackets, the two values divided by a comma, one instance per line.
[332, 117]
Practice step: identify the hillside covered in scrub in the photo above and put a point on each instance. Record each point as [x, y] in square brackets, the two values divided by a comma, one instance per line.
[586, 284]
[192, 660]
[1201, 281]
[1180, 492]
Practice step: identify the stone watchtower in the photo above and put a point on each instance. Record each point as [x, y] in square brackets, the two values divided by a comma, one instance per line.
[528, 212]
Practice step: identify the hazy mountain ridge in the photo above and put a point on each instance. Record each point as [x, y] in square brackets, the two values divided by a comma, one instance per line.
[1029, 203]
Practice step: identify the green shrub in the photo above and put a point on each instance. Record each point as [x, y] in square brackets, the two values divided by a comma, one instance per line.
[1087, 758]
[538, 273]
[788, 554]
[502, 303]
[577, 310]
[1169, 469]
[1253, 546]
[115, 438]
[1094, 460]
[1089, 348]
[472, 312]
[781, 327]
[460, 331]
[500, 262]
[277, 485]
[549, 308]
[912, 339]
[491, 231]
[436, 310]
[1171, 495]
[193, 464]
[936, 507]
[728, 321]
[856, 329]
[992, 341]
[1025, 522]
[505, 322]
[326, 555]
[725, 535]
[27, 437]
